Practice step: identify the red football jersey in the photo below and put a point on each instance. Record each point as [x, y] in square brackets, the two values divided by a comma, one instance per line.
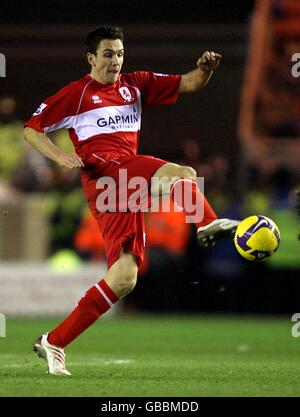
[105, 118]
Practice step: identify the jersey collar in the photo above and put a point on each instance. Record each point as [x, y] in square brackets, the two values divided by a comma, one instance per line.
[104, 86]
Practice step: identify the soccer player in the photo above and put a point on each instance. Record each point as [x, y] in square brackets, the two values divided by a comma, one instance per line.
[102, 112]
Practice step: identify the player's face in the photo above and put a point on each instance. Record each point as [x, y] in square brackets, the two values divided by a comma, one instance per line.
[108, 61]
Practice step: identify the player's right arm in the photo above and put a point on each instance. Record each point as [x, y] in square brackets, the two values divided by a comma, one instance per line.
[44, 145]
[56, 112]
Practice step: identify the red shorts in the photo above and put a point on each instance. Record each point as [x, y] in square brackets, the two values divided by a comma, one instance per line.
[119, 229]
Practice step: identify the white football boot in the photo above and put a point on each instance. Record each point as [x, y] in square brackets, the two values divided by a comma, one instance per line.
[216, 230]
[53, 355]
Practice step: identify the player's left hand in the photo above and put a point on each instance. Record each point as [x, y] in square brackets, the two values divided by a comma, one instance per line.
[209, 61]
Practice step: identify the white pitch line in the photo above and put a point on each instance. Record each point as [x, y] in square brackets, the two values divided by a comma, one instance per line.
[119, 362]
[13, 365]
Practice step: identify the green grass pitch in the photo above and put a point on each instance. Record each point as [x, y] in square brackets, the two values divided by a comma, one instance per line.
[158, 356]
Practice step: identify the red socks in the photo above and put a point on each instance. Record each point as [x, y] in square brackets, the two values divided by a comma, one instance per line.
[96, 301]
[186, 194]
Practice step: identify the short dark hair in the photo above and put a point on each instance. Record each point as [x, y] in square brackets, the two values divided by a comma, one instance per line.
[95, 36]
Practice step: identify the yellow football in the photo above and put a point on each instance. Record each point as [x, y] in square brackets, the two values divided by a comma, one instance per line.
[257, 238]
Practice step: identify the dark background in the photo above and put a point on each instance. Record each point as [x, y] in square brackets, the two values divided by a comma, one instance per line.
[124, 12]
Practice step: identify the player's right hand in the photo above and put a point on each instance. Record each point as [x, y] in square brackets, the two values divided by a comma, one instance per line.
[70, 160]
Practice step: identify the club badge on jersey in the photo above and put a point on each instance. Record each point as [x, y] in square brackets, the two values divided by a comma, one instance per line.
[126, 94]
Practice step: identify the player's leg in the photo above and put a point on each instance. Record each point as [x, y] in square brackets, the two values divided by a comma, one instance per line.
[122, 275]
[184, 187]
[174, 178]
[119, 281]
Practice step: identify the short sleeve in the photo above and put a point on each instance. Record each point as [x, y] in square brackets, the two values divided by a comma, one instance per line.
[57, 111]
[157, 89]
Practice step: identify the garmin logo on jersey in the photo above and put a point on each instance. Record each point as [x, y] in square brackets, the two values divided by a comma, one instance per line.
[119, 121]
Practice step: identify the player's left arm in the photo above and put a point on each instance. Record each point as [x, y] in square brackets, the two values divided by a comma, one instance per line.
[199, 77]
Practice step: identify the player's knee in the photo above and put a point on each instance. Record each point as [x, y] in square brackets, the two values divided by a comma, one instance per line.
[187, 172]
[127, 280]
[128, 271]
[122, 276]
